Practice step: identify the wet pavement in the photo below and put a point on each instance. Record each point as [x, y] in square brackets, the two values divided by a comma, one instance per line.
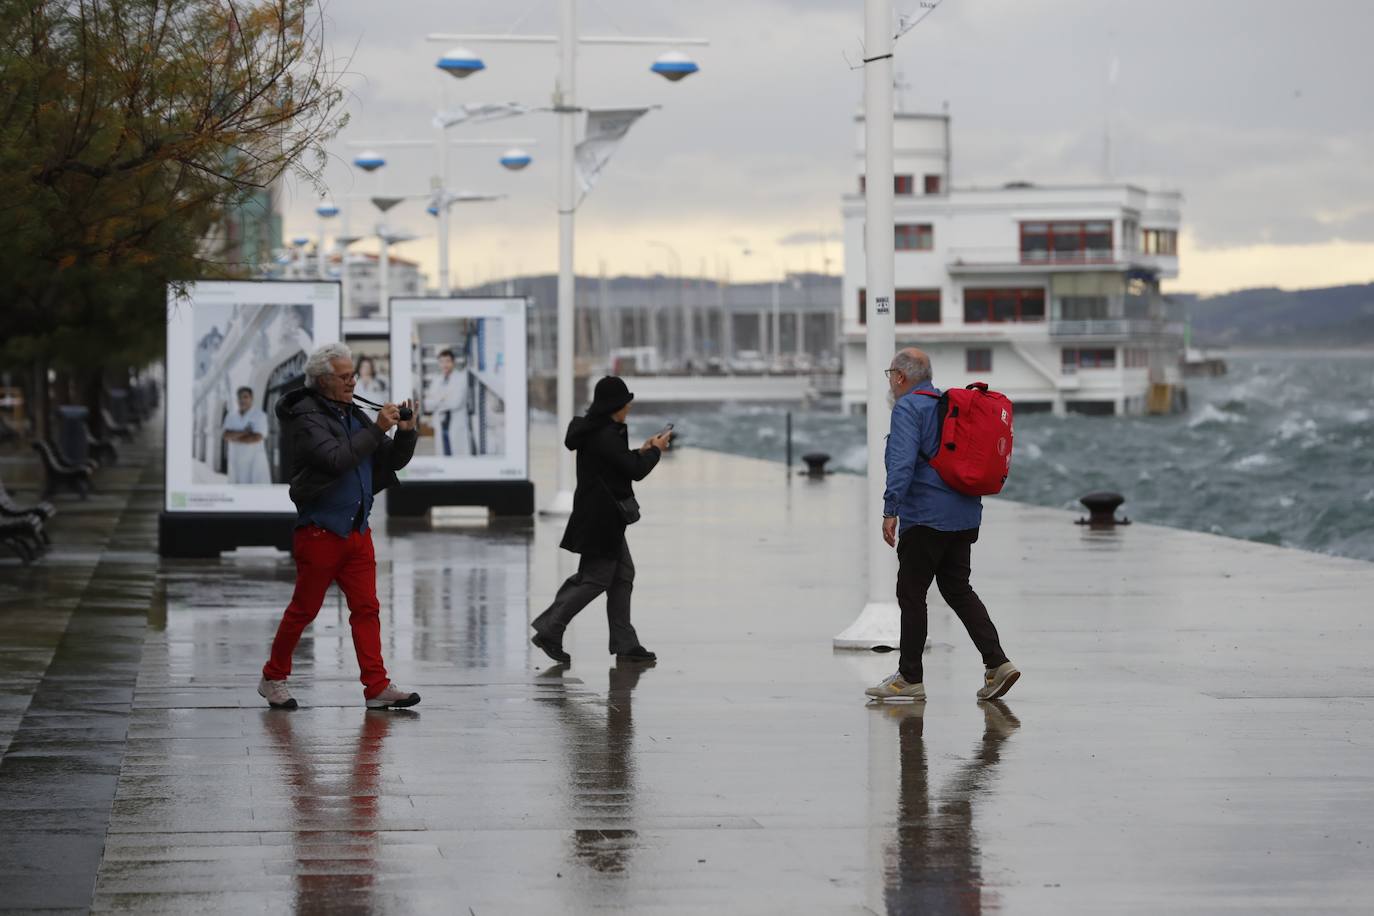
[1192, 733]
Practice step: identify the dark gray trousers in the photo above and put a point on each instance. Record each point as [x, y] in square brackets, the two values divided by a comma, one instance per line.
[613, 575]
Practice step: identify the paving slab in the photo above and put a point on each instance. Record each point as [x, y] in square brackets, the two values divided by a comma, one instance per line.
[1191, 734]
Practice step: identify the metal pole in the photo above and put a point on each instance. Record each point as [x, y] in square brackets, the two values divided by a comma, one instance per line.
[383, 279]
[777, 327]
[789, 442]
[565, 103]
[444, 286]
[319, 251]
[879, 621]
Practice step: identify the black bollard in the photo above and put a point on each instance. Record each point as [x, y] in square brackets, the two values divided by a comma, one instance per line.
[815, 464]
[1102, 510]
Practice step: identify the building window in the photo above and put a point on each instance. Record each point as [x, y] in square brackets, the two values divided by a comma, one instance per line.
[1001, 305]
[1096, 358]
[913, 306]
[932, 184]
[1137, 358]
[1161, 241]
[903, 184]
[914, 236]
[978, 359]
[1082, 308]
[1066, 242]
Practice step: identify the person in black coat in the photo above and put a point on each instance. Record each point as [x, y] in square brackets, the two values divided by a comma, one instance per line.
[603, 507]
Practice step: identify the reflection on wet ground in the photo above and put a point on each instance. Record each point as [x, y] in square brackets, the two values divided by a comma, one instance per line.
[1190, 744]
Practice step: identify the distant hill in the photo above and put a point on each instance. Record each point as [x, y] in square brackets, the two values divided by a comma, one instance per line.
[1336, 316]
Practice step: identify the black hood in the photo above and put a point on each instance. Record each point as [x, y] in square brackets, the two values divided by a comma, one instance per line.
[582, 428]
[301, 401]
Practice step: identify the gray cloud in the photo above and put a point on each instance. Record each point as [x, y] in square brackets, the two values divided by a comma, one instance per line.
[1256, 109]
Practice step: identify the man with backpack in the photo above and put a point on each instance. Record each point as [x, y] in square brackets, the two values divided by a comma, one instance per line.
[961, 436]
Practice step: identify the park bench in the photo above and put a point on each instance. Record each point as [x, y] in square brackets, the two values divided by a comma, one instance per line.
[58, 473]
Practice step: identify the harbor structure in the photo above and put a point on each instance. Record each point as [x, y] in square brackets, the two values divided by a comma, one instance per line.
[1048, 292]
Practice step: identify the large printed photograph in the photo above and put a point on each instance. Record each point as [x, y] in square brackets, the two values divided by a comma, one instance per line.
[234, 349]
[247, 357]
[464, 364]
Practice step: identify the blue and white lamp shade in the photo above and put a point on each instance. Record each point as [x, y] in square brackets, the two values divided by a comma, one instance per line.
[301, 241]
[460, 62]
[674, 66]
[432, 210]
[515, 159]
[326, 210]
[369, 161]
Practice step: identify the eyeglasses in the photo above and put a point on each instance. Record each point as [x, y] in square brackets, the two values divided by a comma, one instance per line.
[346, 377]
[888, 372]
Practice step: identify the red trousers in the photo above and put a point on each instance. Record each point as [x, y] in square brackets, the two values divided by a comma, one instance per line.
[323, 558]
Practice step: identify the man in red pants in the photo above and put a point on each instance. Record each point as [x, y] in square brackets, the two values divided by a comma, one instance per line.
[339, 461]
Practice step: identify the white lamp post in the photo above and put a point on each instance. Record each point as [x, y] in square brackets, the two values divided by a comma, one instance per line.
[565, 106]
[325, 211]
[879, 623]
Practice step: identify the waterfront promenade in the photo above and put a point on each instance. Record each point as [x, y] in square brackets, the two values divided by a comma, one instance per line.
[1192, 733]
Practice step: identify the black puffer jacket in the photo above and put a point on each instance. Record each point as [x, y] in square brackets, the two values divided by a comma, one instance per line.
[322, 451]
[606, 469]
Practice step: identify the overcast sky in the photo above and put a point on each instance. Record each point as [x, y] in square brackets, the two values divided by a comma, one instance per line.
[1261, 112]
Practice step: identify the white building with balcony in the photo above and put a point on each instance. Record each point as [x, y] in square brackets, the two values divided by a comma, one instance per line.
[1049, 293]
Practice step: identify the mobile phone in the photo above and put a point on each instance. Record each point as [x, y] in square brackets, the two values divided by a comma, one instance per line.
[665, 430]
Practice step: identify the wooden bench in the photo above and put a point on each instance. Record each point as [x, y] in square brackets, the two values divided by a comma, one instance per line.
[58, 473]
[102, 450]
[24, 536]
[114, 428]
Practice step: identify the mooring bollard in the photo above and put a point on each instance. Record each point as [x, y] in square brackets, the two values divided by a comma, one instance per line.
[815, 464]
[1102, 510]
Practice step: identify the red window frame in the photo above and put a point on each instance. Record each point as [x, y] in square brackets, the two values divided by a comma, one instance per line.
[908, 307]
[987, 297]
[914, 236]
[932, 184]
[904, 184]
[1063, 229]
[978, 359]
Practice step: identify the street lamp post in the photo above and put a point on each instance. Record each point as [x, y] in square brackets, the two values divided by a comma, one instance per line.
[325, 211]
[879, 621]
[670, 66]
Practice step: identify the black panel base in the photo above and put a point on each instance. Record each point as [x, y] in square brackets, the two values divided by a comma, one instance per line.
[502, 497]
[208, 534]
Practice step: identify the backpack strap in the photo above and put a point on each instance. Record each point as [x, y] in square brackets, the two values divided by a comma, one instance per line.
[939, 420]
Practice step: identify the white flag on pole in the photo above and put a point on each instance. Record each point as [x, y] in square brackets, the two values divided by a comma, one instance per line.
[605, 129]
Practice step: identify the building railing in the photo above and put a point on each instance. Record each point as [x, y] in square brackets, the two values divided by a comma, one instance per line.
[1114, 327]
[1006, 255]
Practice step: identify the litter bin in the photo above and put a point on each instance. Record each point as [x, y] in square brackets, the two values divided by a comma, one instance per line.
[71, 433]
[119, 405]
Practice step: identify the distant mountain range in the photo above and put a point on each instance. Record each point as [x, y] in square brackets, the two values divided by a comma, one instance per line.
[1338, 316]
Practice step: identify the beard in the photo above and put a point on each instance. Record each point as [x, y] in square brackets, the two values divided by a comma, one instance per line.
[891, 400]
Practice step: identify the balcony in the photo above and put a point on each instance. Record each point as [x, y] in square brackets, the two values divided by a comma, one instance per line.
[1008, 259]
[1113, 328]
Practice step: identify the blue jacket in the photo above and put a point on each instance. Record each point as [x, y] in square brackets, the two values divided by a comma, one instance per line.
[915, 494]
[339, 460]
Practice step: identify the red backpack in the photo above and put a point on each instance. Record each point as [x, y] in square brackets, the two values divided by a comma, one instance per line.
[975, 439]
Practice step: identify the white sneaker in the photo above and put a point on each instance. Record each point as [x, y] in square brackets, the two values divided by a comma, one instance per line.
[276, 694]
[895, 687]
[393, 697]
[997, 681]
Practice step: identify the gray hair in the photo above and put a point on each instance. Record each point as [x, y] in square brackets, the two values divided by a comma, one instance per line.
[915, 365]
[320, 363]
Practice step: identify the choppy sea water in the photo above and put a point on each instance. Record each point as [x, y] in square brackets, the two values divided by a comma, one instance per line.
[1279, 451]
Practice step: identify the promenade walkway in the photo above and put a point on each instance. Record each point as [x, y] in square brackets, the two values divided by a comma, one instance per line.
[1192, 733]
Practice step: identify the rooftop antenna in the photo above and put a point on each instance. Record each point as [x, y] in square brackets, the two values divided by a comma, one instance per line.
[901, 84]
[1113, 72]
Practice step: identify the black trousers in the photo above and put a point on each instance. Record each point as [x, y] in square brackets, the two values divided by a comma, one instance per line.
[925, 554]
[614, 575]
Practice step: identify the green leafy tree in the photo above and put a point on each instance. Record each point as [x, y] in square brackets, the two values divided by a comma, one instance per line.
[127, 128]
